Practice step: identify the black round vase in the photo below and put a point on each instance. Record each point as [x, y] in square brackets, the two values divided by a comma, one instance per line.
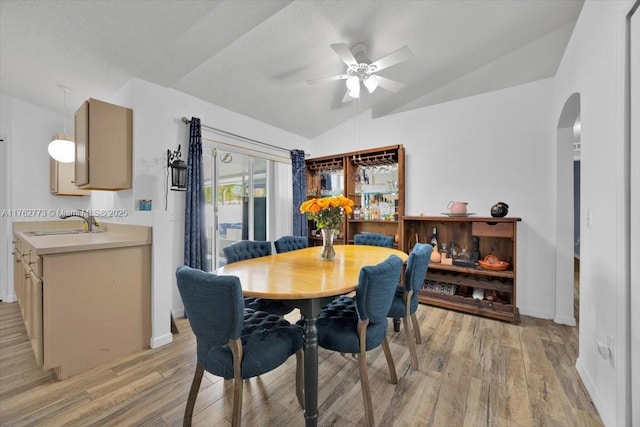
[499, 210]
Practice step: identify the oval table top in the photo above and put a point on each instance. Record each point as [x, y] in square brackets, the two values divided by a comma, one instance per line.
[303, 274]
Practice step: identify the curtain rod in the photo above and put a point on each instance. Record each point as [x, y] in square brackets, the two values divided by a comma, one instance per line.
[243, 138]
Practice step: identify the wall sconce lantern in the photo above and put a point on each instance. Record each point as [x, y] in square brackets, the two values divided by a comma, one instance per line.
[178, 170]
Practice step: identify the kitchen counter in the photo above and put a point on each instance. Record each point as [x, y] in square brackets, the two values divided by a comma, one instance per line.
[111, 235]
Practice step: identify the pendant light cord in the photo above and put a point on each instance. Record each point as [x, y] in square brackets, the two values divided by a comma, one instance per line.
[64, 109]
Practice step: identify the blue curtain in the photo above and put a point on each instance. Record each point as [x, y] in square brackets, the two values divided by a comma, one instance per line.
[299, 179]
[195, 235]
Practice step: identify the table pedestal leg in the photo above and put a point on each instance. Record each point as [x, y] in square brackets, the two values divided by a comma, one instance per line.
[311, 372]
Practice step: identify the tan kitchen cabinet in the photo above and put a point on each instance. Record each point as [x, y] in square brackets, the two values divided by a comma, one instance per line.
[28, 287]
[85, 298]
[62, 177]
[103, 134]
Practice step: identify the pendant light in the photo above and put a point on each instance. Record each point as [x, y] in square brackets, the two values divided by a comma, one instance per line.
[61, 148]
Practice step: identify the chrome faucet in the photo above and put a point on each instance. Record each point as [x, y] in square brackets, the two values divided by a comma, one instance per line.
[88, 219]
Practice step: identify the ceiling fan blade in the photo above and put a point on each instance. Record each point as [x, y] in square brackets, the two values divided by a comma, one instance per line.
[344, 53]
[393, 58]
[327, 79]
[388, 84]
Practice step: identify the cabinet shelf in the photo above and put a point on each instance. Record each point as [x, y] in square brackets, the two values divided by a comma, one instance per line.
[373, 193]
[484, 236]
[470, 270]
[497, 310]
[460, 280]
[377, 221]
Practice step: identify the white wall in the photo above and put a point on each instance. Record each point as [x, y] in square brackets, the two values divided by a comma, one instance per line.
[593, 66]
[498, 146]
[27, 130]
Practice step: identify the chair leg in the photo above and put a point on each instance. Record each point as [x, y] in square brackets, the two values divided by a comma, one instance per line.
[410, 343]
[389, 357]
[416, 328]
[236, 350]
[396, 324]
[366, 388]
[300, 378]
[193, 394]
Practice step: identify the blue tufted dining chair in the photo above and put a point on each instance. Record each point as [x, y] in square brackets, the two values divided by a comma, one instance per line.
[373, 239]
[357, 325]
[291, 243]
[405, 300]
[234, 342]
[248, 249]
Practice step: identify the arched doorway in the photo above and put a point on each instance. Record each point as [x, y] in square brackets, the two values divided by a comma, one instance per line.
[567, 204]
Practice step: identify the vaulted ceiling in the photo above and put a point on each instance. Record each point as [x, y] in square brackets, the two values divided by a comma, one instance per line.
[255, 57]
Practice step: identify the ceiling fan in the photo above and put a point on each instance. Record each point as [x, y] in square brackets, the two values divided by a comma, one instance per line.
[360, 69]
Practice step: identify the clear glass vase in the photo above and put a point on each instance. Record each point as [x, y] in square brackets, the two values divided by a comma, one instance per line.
[328, 252]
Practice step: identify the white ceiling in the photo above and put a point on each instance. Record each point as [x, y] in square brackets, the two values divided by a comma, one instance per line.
[254, 57]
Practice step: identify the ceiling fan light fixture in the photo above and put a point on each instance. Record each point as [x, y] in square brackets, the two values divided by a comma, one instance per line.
[353, 85]
[371, 83]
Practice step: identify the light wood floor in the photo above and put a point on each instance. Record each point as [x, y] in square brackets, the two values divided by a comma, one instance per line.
[473, 372]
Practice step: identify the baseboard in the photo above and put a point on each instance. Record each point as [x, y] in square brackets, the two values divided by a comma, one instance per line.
[10, 298]
[569, 321]
[160, 341]
[536, 313]
[608, 419]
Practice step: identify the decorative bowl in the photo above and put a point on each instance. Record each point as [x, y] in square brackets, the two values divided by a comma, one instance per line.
[491, 262]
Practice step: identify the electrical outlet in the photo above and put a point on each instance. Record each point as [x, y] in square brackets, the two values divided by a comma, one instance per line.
[604, 351]
[611, 343]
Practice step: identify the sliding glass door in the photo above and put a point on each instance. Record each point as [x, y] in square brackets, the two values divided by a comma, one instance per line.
[236, 194]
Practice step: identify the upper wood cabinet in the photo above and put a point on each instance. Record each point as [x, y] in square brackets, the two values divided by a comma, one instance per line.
[103, 135]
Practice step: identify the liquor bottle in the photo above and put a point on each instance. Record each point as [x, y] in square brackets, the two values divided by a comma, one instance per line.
[434, 238]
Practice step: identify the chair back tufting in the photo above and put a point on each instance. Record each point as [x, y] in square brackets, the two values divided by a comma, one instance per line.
[246, 249]
[373, 239]
[376, 287]
[291, 243]
[214, 303]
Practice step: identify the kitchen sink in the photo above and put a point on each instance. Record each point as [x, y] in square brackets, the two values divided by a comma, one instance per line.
[53, 232]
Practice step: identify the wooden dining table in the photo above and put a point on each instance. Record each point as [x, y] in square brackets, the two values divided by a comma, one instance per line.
[304, 280]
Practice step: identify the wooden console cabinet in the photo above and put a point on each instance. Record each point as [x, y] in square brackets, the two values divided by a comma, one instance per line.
[452, 286]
